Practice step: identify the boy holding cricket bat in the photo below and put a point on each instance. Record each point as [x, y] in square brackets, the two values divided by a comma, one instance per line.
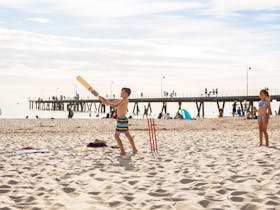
[122, 120]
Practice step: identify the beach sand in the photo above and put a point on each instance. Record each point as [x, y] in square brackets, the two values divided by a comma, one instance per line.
[205, 164]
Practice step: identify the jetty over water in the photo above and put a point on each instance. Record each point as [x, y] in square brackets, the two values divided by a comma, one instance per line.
[94, 105]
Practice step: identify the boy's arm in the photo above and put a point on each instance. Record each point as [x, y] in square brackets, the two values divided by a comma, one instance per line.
[110, 103]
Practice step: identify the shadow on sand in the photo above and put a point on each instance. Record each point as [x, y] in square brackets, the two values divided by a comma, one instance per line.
[125, 161]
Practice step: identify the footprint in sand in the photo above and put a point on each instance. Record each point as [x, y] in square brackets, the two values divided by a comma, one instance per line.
[29, 199]
[16, 199]
[12, 182]
[114, 203]
[237, 199]
[272, 203]
[94, 193]
[236, 193]
[68, 189]
[204, 203]
[222, 192]
[132, 182]
[186, 181]
[249, 206]
[128, 198]
[5, 189]
[100, 179]
[160, 193]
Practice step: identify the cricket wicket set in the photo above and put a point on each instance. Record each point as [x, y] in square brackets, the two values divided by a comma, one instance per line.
[153, 137]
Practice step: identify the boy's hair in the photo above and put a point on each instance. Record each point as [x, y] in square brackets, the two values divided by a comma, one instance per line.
[127, 90]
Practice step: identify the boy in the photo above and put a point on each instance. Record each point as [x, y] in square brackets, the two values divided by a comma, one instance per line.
[122, 121]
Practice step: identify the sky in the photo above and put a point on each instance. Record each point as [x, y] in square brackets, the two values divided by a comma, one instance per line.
[149, 46]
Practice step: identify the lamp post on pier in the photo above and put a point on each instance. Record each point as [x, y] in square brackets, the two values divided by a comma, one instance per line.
[111, 87]
[161, 78]
[247, 70]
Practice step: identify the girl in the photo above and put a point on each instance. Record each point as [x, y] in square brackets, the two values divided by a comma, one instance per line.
[263, 115]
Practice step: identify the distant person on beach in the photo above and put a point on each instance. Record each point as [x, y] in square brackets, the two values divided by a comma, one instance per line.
[122, 120]
[263, 115]
[234, 109]
[245, 107]
[70, 111]
[178, 116]
[239, 111]
[166, 116]
[221, 112]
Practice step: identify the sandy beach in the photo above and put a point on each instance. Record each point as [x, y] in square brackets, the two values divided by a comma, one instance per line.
[205, 164]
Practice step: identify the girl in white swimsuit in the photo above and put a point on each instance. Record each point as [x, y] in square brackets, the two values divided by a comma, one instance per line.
[263, 115]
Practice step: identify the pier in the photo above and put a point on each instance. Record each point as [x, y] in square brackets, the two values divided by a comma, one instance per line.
[91, 105]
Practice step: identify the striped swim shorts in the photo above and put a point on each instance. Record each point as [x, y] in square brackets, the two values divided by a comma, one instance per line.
[122, 125]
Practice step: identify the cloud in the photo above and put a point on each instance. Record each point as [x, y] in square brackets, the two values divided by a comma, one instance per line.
[134, 42]
[38, 20]
[105, 8]
[232, 7]
[96, 9]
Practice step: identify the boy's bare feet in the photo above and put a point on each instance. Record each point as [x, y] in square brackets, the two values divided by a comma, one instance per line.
[122, 153]
[134, 152]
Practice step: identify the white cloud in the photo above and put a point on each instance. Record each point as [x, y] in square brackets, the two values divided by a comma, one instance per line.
[105, 8]
[229, 7]
[192, 52]
[38, 20]
[268, 17]
[97, 9]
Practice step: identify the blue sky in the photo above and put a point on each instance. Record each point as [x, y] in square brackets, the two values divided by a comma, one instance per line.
[194, 44]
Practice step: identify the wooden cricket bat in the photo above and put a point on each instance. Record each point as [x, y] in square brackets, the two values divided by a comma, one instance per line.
[87, 86]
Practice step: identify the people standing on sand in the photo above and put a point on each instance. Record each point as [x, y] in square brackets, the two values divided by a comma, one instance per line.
[70, 111]
[245, 108]
[221, 112]
[239, 111]
[122, 120]
[166, 116]
[263, 115]
[234, 109]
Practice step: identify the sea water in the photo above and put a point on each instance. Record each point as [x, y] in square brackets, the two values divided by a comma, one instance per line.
[21, 110]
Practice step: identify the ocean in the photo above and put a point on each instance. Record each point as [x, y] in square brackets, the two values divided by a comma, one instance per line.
[21, 110]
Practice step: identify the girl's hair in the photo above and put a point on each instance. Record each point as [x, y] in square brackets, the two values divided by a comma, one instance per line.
[265, 92]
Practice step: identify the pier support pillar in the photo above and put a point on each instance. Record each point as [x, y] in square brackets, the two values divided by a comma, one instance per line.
[218, 105]
[200, 107]
[164, 108]
[149, 107]
[180, 105]
[251, 105]
[101, 108]
[242, 109]
[136, 109]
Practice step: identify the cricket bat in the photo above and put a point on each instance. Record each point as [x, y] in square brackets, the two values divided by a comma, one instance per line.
[87, 86]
